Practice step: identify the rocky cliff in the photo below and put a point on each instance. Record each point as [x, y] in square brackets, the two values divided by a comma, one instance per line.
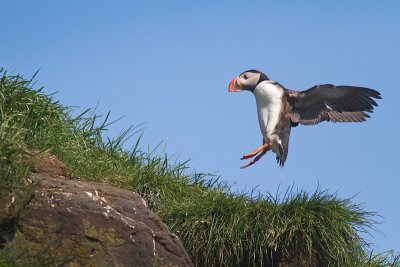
[75, 223]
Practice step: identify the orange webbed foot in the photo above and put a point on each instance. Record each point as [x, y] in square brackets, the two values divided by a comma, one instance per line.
[255, 152]
[265, 150]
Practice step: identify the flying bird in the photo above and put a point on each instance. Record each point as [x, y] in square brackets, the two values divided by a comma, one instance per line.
[279, 109]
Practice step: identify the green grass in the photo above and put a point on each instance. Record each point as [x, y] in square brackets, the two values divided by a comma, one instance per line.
[217, 226]
[389, 258]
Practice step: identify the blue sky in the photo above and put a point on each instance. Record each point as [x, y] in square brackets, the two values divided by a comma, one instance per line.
[168, 63]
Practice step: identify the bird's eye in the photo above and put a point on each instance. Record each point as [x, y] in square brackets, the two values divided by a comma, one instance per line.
[245, 76]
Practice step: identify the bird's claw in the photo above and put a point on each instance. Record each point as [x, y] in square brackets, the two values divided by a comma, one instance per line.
[247, 156]
[255, 159]
[255, 152]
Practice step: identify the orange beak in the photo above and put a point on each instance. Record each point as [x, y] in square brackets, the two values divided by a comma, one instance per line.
[234, 87]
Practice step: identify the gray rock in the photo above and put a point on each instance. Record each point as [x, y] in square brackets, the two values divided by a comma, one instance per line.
[76, 223]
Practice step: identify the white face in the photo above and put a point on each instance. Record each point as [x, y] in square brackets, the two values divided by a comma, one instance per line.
[248, 80]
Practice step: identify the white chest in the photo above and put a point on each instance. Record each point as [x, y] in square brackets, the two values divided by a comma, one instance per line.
[269, 103]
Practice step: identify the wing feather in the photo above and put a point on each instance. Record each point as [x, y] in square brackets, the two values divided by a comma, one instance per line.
[328, 102]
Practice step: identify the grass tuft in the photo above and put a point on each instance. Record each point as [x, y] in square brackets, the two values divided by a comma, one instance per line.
[389, 258]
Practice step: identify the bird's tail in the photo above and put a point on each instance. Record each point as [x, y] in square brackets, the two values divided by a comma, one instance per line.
[284, 146]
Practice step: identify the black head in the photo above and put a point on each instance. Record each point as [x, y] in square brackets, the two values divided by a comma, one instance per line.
[247, 80]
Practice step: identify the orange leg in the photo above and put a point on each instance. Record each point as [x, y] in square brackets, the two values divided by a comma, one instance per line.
[256, 158]
[255, 152]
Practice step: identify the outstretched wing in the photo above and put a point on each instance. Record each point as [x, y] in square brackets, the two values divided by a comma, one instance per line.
[328, 102]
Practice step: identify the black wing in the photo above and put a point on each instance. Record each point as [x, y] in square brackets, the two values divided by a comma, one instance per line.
[328, 102]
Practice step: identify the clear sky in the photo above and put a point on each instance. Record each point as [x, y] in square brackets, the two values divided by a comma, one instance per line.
[168, 63]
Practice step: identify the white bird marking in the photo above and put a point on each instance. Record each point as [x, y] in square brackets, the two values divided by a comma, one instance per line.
[269, 103]
[154, 243]
[328, 107]
[127, 220]
[144, 202]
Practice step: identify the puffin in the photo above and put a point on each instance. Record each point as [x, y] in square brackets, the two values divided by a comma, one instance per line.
[279, 109]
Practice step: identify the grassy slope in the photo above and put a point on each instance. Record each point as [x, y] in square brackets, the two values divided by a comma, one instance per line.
[219, 228]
